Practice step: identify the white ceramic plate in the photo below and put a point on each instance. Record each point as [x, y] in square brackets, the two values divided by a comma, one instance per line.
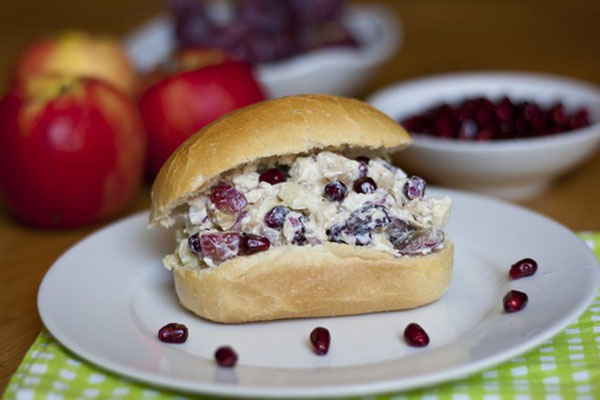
[106, 298]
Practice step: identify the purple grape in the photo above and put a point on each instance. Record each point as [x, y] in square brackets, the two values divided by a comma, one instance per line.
[193, 27]
[419, 241]
[316, 10]
[399, 231]
[367, 219]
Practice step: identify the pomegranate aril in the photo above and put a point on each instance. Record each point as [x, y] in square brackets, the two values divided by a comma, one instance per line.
[173, 333]
[272, 176]
[492, 121]
[514, 301]
[225, 356]
[251, 244]
[579, 119]
[523, 268]
[365, 185]
[275, 218]
[504, 110]
[414, 188]
[227, 199]
[415, 335]
[335, 191]
[220, 246]
[320, 339]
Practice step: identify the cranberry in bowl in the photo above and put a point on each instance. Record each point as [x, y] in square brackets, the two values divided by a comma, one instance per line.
[507, 134]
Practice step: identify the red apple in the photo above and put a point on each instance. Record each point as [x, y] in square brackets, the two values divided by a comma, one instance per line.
[78, 54]
[181, 103]
[71, 151]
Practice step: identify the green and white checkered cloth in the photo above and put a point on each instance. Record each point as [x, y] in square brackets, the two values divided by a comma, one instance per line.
[564, 367]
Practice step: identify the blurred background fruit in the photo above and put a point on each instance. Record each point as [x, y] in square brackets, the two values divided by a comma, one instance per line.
[77, 53]
[183, 99]
[71, 150]
[261, 30]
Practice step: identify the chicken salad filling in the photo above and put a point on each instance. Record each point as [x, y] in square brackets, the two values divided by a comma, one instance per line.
[310, 200]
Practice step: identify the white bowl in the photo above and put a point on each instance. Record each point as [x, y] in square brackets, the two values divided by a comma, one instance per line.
[341, 71]
[514, 169]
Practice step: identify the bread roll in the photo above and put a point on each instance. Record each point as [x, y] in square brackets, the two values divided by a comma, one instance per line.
[321, 275]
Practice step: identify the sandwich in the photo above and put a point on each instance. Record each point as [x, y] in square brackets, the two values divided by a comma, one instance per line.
[290, 208]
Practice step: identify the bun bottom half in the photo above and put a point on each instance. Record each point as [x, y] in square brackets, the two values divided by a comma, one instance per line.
[320, 281]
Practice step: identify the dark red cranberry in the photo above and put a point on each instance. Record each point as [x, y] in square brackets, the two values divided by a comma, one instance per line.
[194, 244]
[365, 185]
[272, 176]
[226, 356]
[523, 268]
[275, 218]
[514, 301]
[415, 335]
[414, 188]
[251, 244]
[335, 191]
[173, 333]
[320, 339]
[220, 246]
[227, 199]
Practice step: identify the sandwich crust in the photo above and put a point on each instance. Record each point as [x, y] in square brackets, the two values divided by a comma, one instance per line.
[327, 280]
[273, 128]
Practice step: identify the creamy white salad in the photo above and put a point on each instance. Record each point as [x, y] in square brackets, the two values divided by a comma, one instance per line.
[310, 200]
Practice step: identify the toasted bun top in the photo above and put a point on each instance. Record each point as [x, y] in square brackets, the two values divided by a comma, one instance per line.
[279, 127]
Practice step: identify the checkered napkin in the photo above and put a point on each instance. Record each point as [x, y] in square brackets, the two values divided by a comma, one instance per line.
[564, 367]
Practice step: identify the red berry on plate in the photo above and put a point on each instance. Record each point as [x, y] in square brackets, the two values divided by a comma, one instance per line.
[523, 268]
[514, 301]
[226, 357]
[415, 335]
[173, 333]
[320, 340]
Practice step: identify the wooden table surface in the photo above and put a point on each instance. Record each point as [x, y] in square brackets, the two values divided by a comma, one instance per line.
[551, 36]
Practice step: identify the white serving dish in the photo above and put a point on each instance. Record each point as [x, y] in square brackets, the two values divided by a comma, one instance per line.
[514, 169]
[341, 71]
